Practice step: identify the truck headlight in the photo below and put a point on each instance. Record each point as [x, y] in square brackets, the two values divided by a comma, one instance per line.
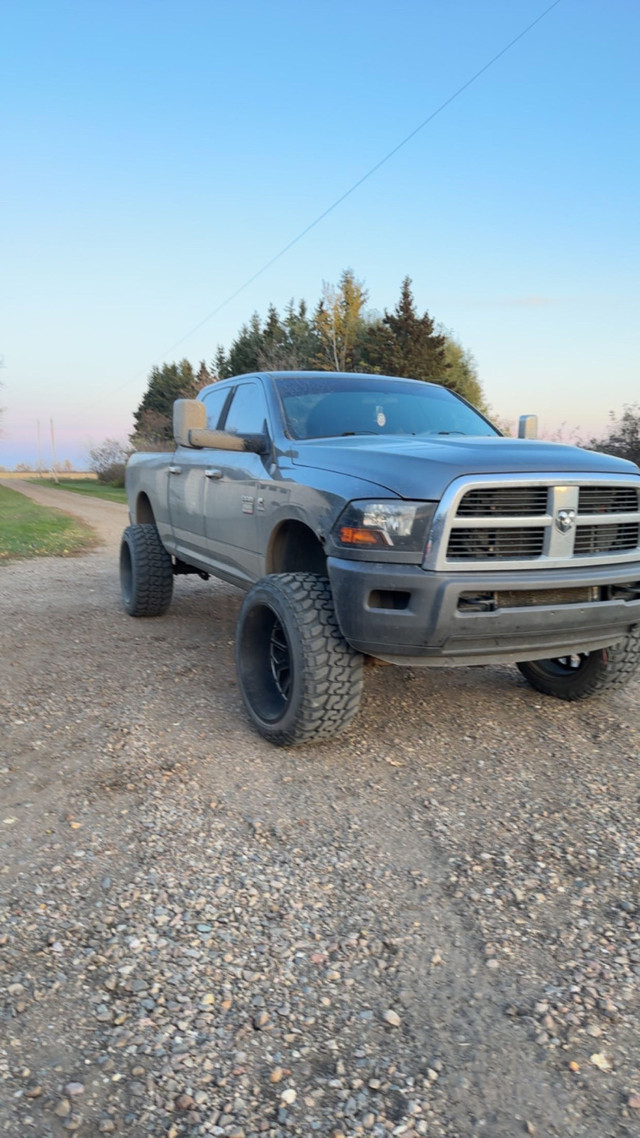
[390, 524]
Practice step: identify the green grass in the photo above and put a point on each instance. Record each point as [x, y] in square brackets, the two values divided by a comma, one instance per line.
[86, 486]
[29, 530]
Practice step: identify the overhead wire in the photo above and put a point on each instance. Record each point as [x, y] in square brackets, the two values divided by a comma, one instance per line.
[347, 193]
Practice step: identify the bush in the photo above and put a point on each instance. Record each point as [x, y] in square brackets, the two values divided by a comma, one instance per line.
[623, 439]
[108, 461]
[112, 475]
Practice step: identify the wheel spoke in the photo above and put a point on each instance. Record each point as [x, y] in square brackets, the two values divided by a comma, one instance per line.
[279, 659]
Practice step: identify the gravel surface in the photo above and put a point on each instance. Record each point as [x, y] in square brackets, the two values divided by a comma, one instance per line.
[427, 926]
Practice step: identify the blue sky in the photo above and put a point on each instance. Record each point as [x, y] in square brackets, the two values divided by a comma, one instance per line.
[156, 153]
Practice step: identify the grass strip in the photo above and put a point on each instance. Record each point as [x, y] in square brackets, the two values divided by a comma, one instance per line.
[30, 530]
[86, 486]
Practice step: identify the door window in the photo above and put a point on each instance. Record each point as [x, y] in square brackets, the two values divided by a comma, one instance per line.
[248, 411]
[214, 402]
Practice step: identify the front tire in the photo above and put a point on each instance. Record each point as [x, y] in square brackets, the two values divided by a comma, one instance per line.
[146, 572]
[586, 674]
[298, 676]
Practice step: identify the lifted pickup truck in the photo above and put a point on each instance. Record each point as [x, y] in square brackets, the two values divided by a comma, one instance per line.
[372, 516]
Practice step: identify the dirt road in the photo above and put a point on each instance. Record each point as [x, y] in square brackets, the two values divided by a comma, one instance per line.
[428, 926]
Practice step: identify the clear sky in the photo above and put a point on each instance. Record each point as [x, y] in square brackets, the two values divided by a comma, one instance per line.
[156, 153]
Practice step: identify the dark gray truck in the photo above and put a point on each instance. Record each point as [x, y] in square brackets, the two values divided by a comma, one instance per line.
[372, 516]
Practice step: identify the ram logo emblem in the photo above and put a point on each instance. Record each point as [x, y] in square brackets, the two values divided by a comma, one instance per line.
[565, 520]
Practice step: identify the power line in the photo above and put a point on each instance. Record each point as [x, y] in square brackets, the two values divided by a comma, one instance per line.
[356, 185]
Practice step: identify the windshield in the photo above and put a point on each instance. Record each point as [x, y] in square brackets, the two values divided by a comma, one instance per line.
[317, 407]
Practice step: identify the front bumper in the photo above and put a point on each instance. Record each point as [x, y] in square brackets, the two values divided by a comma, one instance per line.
[407, 615]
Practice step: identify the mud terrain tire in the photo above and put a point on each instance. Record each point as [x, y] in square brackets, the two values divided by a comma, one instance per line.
[299, 678]
[146, 572]
[587, 674]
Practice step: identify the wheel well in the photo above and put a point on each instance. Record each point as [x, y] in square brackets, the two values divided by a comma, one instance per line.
[144, 511]
[294, 548]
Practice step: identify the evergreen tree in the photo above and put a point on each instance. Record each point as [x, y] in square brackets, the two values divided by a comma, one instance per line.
[204, 376]
[153, 420]
[243, 353]
[273, 342]
[219, 364]
[302, 336]
[406, 344]
[290, 344]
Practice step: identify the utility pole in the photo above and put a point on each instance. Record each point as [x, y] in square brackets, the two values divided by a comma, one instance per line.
[53, 454]
[39, 449]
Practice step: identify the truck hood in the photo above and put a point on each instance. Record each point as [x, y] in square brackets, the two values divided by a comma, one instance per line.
[423, 468]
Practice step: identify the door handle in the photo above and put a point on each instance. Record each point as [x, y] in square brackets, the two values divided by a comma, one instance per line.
[213, 472]
[175, 470]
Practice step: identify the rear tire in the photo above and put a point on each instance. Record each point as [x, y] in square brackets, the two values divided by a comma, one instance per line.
[298, 676]
[146, 572]
[587, 673]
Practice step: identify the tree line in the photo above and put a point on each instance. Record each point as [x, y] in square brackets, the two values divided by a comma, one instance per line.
[339, 334]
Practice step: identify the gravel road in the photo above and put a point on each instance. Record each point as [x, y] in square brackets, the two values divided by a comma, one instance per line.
[429, 926]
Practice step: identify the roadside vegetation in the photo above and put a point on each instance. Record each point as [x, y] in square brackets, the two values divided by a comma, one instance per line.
[29, 530]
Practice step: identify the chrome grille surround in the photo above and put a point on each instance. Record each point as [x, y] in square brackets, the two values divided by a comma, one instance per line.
[608, 536]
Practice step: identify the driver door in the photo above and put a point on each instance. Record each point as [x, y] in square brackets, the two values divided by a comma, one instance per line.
[187, 490]
[234, 504]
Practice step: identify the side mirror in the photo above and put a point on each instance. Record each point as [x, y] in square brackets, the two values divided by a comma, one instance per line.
[528, 427]
[190, 430]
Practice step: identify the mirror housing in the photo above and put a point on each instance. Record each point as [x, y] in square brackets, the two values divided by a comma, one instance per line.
[188, 415]
[528, 427]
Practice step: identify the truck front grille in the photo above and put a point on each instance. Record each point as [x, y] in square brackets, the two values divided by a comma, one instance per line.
[606, 538]
[497, 544]
[533, 521]
[505, 502]
[607, 500]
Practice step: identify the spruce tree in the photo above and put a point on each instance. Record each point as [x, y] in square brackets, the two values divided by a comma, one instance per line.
[406, 344]
[153, 419]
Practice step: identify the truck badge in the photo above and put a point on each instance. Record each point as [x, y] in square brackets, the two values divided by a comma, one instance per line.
[565, 520]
